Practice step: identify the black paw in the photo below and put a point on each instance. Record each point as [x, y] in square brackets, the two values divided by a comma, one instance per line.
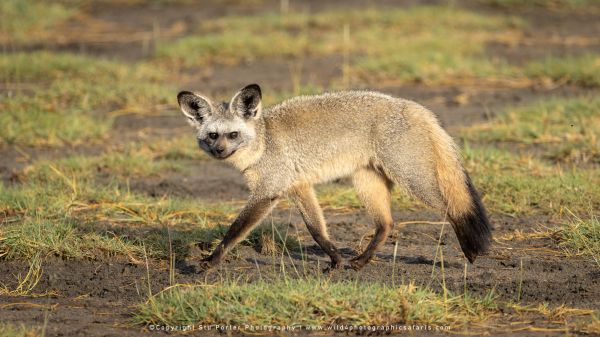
[205, 264]
[185, 268]
[355, 264]
[335, 265]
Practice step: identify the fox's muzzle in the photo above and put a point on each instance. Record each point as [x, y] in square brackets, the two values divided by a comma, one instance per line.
[221, 153]
[217, 150]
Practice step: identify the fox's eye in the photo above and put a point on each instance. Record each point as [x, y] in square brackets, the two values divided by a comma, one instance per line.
[233, 135]
[213, 135]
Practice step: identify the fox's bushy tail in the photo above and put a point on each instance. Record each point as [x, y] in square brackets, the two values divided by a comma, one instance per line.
[464, 208]
[472, 226]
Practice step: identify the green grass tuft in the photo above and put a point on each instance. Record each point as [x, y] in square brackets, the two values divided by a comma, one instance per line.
[308, 302]
[521, 184]
[418, 43]
[582, 70]
[73, 99]
[582, 237]
[31, 21]
[565, 129]
[63, 239]
[37, 121]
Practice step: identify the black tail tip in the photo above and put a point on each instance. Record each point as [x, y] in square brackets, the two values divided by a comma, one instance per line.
[474, 235]
[473, 229]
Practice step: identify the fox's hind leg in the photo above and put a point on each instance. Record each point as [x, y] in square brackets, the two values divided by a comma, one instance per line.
[374, 190]
[306, 201]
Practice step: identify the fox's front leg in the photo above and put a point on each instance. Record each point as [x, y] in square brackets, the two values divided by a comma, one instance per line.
[306, 201]
[254, 211]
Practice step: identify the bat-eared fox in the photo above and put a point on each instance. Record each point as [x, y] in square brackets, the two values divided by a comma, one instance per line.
[376, 139]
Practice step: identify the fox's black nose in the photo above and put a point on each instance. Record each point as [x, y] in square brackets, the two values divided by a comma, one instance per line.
[219, 150]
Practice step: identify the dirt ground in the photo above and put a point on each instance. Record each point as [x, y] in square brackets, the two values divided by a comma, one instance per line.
[96, 298]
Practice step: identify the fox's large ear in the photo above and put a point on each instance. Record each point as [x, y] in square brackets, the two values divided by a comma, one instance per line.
[194, 107]
[247, 102]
